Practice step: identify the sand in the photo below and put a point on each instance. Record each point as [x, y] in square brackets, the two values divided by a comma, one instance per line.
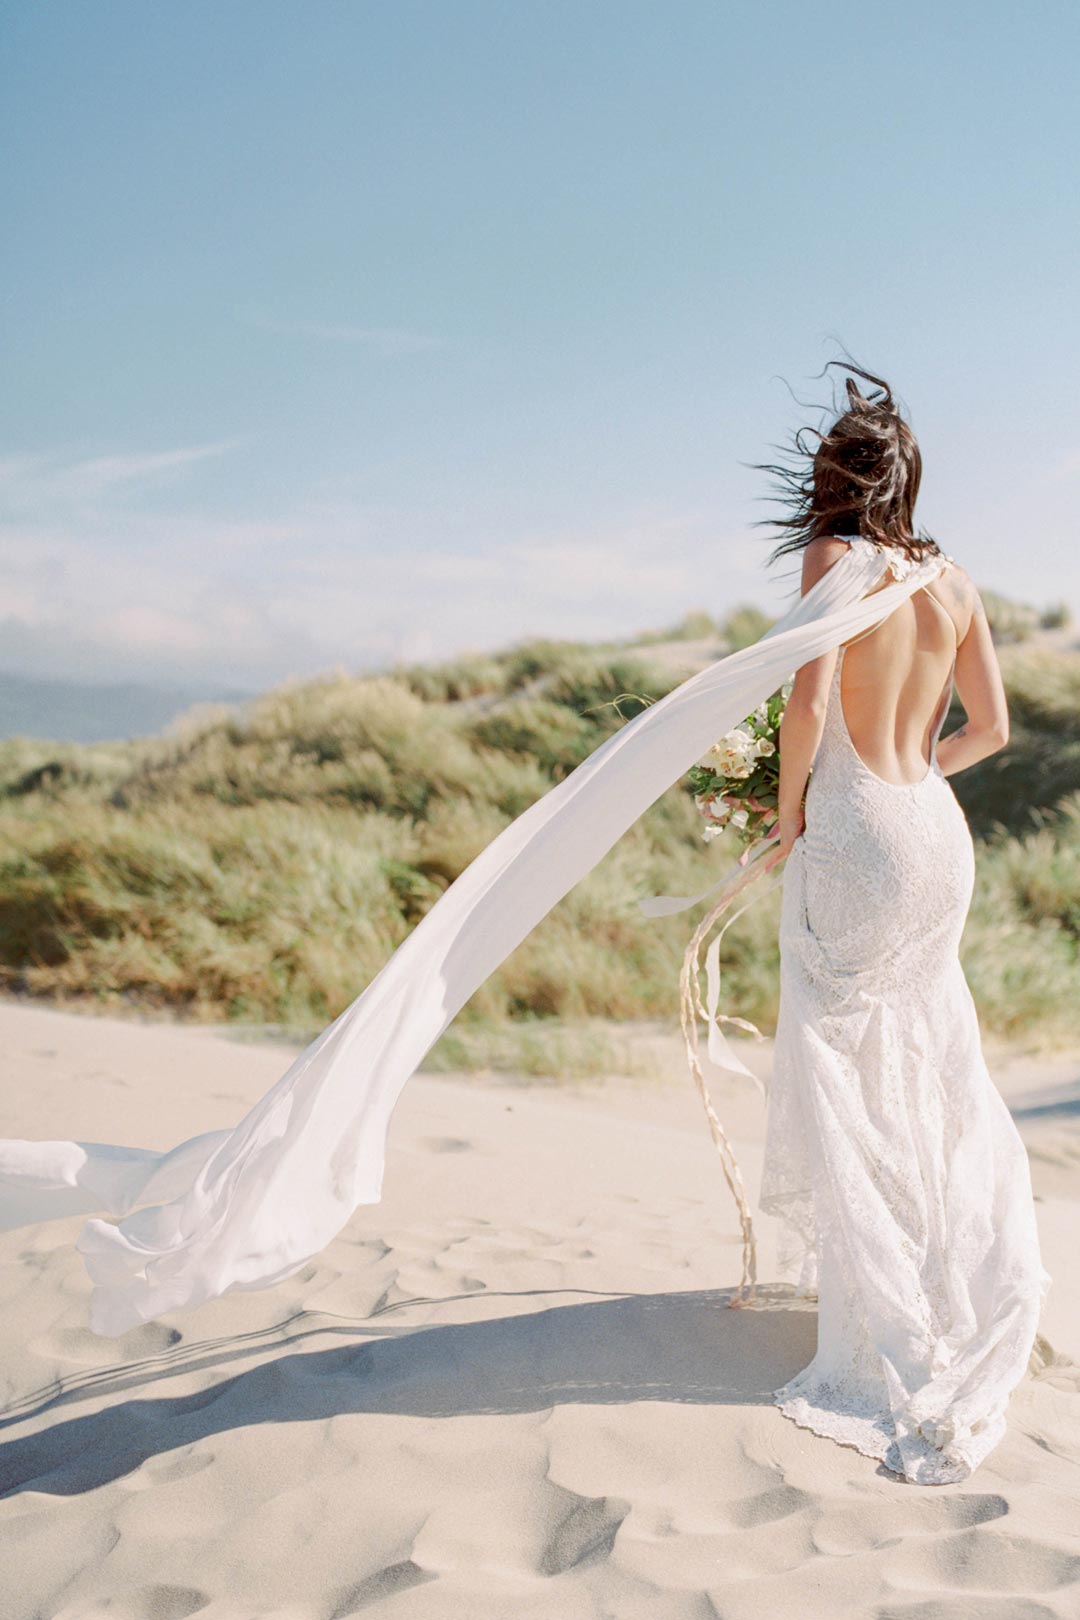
[510, 1391]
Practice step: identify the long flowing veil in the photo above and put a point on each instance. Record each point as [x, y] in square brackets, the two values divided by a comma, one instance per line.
[247, 1207]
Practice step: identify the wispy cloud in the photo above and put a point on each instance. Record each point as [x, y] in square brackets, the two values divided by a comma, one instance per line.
[40, 482]
[101, 576]
[125, 591]
[385, 340]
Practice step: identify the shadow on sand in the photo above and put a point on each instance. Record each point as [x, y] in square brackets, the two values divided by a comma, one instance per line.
[687, 1347]
[1056, 1103]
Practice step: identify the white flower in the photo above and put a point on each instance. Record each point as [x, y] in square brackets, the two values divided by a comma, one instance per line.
[734, 753]
[766, 746]
[712, 808]
[711, 830]
[900, 566]
[739, 818]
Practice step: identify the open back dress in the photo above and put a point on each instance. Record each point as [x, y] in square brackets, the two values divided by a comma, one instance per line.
[901, 1182]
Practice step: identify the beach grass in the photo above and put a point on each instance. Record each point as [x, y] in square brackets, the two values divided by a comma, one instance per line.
[261, 864]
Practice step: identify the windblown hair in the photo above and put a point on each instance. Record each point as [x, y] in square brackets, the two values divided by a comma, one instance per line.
[862, 477]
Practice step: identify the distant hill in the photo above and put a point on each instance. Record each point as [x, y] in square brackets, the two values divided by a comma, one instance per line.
[260, 863]
[88, 712]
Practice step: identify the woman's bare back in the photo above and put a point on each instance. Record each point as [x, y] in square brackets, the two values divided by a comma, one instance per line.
[896, 683]
[896, 680]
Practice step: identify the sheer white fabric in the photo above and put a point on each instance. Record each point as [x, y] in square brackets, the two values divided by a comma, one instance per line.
[901, 1181]
[247, 1207]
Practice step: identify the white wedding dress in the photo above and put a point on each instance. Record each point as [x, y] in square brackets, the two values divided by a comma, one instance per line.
[892, 1161]
[899, 1176]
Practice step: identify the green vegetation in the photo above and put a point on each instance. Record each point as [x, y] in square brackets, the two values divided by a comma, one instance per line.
[1019, 787]
[697, 625]
[1008, 620]
[1056, 617]
[744, 626]
[261, 865]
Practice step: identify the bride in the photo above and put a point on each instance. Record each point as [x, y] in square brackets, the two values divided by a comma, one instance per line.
[899, 1177]
[900, 1182]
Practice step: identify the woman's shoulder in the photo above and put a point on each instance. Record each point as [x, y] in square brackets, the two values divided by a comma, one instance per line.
[820, 554]
[950, 583]
[901, 560]
[958, 592]
[825, 550]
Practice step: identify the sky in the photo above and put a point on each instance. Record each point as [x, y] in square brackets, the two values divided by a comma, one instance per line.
[339, 334]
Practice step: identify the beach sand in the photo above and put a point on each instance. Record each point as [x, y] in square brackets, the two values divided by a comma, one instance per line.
[510, 1391]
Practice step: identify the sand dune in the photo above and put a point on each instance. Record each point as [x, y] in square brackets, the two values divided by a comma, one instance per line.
[511, 1390]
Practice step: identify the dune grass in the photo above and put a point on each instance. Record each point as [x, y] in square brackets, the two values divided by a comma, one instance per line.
[262, 864]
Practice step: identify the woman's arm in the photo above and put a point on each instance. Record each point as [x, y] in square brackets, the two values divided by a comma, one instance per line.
[804, 715]
[982, 692]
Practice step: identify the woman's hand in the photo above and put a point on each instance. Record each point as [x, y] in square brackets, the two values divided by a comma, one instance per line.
[791, 824]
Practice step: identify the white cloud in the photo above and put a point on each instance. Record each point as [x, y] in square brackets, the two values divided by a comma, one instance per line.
[97, 583]
[101, 576]
[40, 483]
[300, 603]
[386, 340]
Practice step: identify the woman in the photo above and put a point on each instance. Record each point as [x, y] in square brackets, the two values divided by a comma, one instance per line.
[876, 1021]
[899, 1176]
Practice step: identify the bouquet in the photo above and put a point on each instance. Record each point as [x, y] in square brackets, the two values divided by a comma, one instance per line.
[737, 781]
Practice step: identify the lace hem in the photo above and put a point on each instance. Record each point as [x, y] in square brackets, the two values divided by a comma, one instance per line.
[873, 1435]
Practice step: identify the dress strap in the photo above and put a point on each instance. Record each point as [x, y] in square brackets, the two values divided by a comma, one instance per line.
[900, 565]
[904, 562]
[860, 637]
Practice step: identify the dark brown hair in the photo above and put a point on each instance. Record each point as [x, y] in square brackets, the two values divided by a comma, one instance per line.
[862, 477]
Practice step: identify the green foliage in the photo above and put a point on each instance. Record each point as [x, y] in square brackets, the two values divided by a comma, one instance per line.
[743, 626]
[1058, 616]
[1008, 620]
[263, 863]
[555, 736]
[696, 626]
[455, 682]
[1022, 943]
[1017, 788]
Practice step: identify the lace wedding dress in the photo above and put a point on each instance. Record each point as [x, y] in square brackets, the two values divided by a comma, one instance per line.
[900, 1180]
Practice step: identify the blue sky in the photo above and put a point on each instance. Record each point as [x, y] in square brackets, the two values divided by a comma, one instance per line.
[336, 333]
